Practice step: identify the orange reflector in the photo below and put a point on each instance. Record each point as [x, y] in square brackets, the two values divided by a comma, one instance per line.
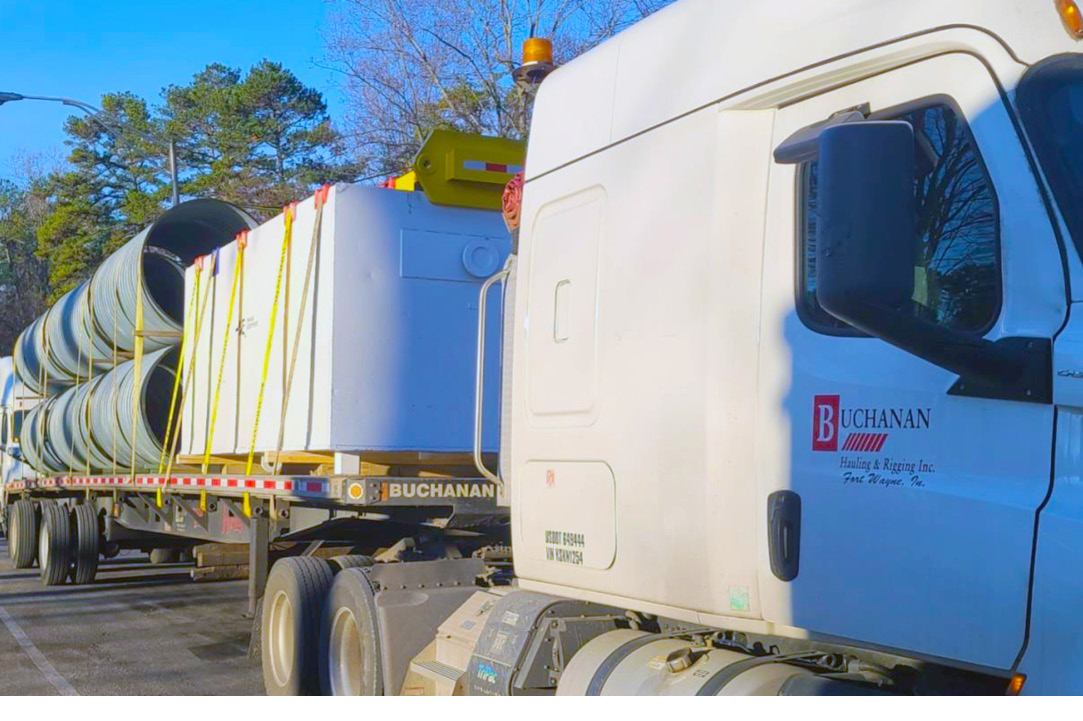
[540, 50]
[1015, 686]
[1073, 19]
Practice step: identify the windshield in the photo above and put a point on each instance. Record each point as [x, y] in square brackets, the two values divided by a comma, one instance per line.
[1050, 100]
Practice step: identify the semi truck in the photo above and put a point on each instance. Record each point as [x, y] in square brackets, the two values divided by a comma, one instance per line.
[788, 373]
[789, 381]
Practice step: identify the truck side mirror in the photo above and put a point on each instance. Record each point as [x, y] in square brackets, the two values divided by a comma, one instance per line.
[866, 222]
[866, 225]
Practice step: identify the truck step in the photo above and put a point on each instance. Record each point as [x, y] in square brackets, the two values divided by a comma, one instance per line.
[437, 670]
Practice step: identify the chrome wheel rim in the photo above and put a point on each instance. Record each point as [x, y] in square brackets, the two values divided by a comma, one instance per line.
[346, 654]
[43, 546]
[13, 540]
[283, 644]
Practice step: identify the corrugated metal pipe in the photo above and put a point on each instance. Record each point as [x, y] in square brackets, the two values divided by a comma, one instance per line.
[84, 328]
[88, 426]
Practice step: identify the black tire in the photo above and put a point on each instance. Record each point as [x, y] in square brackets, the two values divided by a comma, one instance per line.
[23, 536]
[341, 563]
[163, 555]
[87, 542]
[292, 605]
[350, 662]
[54, 544]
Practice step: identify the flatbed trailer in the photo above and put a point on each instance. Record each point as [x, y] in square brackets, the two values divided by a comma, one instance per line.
[366, 512]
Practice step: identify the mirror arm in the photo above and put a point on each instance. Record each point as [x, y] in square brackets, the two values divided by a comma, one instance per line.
[1007, 369]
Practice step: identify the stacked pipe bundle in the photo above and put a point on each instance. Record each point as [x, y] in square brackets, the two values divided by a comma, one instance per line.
[80, 352]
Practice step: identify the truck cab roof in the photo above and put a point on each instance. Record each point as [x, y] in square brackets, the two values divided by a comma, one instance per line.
[696, 53]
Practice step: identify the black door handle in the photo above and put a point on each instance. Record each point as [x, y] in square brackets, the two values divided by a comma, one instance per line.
[784, 533]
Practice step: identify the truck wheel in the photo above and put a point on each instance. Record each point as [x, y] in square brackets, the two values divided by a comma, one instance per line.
[292, 604]
[85, 519]
[23, 538]
[349, 646]
[341, 563]
[54, 544]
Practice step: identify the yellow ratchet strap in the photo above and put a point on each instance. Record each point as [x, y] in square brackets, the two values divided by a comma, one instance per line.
[289, 213]
[238, 268]
[202, 312]
[177, 373]
[138, 364]
[320, 201]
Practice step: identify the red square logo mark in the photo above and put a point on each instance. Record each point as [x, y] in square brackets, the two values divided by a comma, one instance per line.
[825, 423]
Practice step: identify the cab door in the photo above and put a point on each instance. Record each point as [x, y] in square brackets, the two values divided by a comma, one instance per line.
[913, 504]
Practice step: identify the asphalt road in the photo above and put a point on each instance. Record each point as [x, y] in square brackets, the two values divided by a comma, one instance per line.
[137, 630]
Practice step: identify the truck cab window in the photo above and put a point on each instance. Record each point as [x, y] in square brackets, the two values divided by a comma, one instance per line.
[956, 251]
[1051, 104]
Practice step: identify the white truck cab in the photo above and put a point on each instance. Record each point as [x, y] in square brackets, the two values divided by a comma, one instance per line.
[795, 344]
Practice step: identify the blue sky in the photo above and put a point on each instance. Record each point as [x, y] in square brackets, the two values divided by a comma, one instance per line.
[83, 48]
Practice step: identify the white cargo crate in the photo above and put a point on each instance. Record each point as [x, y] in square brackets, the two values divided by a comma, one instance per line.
[386, 358]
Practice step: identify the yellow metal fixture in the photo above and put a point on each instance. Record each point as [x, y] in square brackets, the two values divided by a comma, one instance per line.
[468, 171]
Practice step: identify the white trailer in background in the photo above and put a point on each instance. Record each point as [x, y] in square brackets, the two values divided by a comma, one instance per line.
[15, 401]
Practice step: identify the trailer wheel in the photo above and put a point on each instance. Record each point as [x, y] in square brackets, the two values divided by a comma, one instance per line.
[85, 518]
[23, 534]
[292, 603]
[341, 563]
[54, 544]
[349, 645]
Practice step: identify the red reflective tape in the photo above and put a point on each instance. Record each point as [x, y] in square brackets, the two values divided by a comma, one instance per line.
[231, 482]
[249, 483]
[269, 484]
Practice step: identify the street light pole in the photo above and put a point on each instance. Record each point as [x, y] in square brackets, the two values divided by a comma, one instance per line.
[101, 118]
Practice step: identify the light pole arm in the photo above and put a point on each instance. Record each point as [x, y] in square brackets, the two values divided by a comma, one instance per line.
[101, 117]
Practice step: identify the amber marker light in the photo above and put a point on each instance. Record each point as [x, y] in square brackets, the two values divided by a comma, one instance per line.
[1015, 686]
[540, 50]
[1073, 19]
[537, 62]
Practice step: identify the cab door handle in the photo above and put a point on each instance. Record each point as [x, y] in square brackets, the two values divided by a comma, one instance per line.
[784, 534]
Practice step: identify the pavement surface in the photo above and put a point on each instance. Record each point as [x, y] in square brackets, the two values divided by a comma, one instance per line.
[137, 630]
